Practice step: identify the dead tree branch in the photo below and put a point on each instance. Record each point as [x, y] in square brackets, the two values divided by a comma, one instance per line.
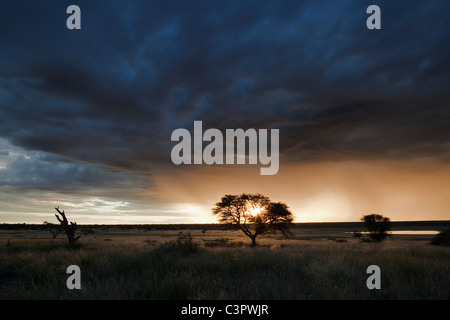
[69, 228]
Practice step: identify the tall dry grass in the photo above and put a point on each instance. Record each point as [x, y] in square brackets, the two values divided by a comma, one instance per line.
[187, 269]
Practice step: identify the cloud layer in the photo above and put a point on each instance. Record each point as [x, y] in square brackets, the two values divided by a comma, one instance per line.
[91, 111]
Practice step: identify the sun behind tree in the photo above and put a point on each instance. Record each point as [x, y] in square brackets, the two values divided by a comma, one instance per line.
[254, 214]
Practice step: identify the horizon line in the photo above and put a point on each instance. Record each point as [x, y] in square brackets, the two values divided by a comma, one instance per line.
[215, 223]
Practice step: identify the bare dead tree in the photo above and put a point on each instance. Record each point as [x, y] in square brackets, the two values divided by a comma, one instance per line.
[69, 228]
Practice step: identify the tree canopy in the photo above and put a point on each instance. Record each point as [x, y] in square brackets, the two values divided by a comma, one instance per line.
[254, 214]
[377, 226]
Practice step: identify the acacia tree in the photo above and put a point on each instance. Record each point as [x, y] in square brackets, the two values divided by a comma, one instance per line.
[377, 225]
[254, 214]
[54, 229]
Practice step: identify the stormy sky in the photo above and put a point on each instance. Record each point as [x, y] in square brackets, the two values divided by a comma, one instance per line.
[86, 115]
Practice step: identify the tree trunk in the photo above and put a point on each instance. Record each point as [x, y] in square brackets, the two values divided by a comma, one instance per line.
[253, 240]
[69, 228]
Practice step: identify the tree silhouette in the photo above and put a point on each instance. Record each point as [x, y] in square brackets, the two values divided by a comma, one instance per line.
[68, 228]
[377, 225]
[254, 214]
[54, 228]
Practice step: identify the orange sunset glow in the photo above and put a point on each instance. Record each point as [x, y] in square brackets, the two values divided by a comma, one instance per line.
[128, 120]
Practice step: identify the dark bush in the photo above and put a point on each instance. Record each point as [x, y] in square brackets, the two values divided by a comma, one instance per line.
[184, 244]
[442, 238]
[377, 226]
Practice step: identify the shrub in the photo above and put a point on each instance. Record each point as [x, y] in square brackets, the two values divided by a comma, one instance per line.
[377, 225]
[442, 238]
[184, 244]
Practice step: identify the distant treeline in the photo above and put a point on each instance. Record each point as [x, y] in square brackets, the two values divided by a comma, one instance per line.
[437, 225]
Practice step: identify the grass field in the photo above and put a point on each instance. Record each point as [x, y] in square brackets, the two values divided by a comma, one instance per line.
[320, 261]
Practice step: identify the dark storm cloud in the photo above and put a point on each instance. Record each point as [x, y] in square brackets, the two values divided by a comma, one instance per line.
[31, 171]
[381, 128]
[112, 93]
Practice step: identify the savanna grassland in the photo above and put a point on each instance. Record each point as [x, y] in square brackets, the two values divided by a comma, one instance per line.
[319, 261]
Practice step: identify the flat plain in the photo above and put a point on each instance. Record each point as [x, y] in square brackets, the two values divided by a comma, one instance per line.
[318, 261]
